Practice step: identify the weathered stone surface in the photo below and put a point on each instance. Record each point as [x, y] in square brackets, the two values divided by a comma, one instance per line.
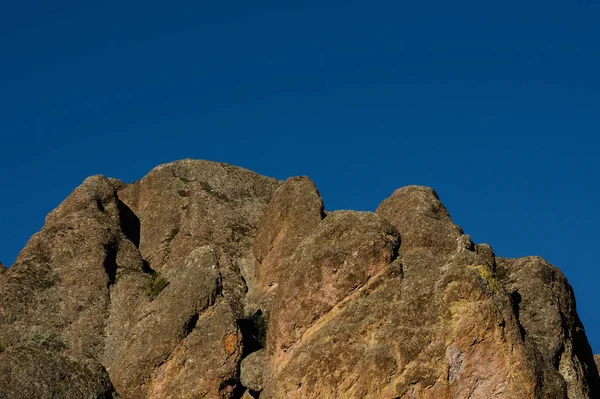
[438, 325]
[597, 361]
[545, 305]
[292, 214]
[345, 251]
[83, 280]
[2, 268]
[394, 338]
[186, 204]
[252, 370]
[146, 291]
[58, 291]
[421, 219]
[34, 372]
[188, 322]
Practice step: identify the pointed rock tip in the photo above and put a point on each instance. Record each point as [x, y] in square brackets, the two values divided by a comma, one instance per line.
[293, 212]
[416, 189]
[419, 200]
[300, 179]
[421, 218]
[117, 183]
[96, 190]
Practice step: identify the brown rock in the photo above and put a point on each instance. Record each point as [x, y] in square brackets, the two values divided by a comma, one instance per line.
[83, 280]
[187, 322]
[294, 211]
[597, 361]
[394, 338]
[543, 301]
[421, 219]
[145, 291]
[34, 372]
[460, 334]
[187, 204]
[196, 346]
[182, 207]
[345, 251]
[252, 370]
[58, 291]
[116, 183]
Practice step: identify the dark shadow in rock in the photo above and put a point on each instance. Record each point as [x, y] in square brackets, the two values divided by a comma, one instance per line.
[100, 206]
[110, 263]
[146, 267]
[190, 323]
[130, 223]
[238, 388]
[516, 305]
[254, 332]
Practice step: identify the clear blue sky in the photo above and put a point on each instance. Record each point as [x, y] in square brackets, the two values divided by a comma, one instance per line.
[494, 104]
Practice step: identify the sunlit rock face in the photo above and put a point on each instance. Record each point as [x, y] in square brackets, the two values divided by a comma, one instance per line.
[205, 280]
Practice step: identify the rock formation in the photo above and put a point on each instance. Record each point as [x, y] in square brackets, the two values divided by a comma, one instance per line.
[204, 280]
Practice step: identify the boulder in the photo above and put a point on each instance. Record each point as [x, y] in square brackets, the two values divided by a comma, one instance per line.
[295, 210]
[252, 370]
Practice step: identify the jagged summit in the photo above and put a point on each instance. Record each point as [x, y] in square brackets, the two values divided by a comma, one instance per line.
[205, 280]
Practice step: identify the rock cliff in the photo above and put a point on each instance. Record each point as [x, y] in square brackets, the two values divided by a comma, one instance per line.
[204, 280]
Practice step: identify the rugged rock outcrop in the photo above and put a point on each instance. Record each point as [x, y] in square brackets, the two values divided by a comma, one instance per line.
[436, 321]
[295, 210]
[204, 280]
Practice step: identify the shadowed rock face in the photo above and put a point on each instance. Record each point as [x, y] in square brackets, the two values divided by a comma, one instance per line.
[204, 280]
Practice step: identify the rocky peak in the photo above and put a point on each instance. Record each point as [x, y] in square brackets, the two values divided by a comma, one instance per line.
[421, 219]
[205, 280]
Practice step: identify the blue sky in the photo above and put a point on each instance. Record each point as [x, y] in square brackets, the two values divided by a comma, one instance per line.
[496, 105]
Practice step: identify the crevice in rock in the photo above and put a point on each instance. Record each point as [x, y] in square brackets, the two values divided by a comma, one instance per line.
[396, 249]
[130, 223]
[214, 193]
[254, 333]
[100, 206]
[190, 323]
[217, 292]
[110, 263]
[558, 356]
[239, 390]
[323, 212]
[146, 267]
[516, 304]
